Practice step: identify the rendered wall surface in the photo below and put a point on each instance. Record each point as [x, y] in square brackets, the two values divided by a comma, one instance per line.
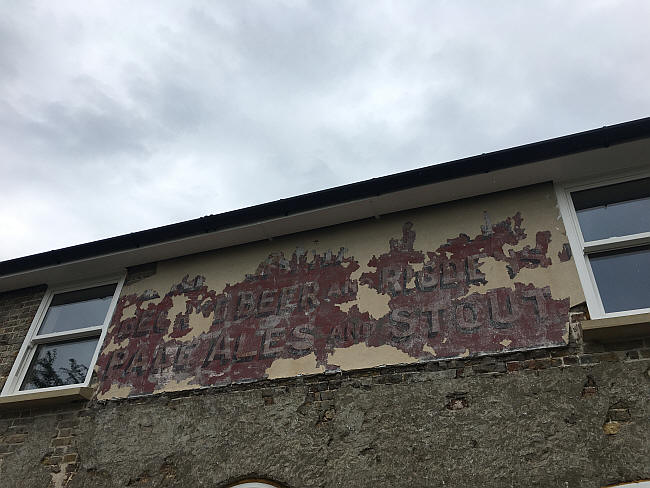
[473, 277]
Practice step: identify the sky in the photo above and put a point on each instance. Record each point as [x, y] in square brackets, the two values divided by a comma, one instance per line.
[120, 116]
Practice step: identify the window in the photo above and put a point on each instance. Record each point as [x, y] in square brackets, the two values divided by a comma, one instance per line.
[609, 230]
[63, 342]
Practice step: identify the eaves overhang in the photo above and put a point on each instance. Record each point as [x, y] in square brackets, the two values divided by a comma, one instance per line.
[616, 149]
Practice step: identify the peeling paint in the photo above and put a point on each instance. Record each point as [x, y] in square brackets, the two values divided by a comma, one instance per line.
[368, 300]
[285, 368]
[362, 356]
[458, 278]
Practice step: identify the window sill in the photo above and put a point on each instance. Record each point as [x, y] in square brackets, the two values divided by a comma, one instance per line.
[46, 398]
[616, 328]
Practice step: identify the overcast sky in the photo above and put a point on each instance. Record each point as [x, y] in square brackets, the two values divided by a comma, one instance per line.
[122, 116]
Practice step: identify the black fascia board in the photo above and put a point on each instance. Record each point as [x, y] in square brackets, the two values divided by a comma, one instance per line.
[484, 163]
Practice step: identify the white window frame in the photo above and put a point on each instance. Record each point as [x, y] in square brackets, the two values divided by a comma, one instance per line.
[581, 249]
[32, 340]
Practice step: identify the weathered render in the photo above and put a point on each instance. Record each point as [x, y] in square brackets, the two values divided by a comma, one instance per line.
[456, 280]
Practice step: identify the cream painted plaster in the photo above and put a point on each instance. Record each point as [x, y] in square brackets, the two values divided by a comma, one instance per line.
[185, 384]
[129, 312]
[114, 346]
[363, 356]
[179, 306]
[369, 300]
[505, 342]
[198, 323]
[433, 228]
[116, 391]
[429, 349]
[363, 240]
[562, 284]
[287, 368]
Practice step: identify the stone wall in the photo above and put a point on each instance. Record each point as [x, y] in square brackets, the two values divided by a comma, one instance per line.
[17, 309]
[575, 416]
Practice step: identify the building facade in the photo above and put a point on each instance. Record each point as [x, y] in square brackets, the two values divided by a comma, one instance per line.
[480, 322]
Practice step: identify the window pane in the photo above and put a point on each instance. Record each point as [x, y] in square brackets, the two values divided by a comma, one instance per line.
[62, 363]
[623, 279]
[614, 210]
[77, 309]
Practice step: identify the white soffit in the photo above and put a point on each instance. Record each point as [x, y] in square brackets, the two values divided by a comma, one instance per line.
[615, 160]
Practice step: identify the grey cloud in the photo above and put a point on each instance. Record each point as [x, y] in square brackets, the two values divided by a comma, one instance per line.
[97, 127]
[122, 116]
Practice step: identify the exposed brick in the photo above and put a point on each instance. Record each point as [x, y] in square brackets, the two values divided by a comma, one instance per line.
[52, 460]
[541, 363]
[62, 441]
[588, 359]
[497, 367]
[570, 360]
[607, 356]
[513, 366]
[15, 438]
[540, 354]
[70, 458]
[589, 391]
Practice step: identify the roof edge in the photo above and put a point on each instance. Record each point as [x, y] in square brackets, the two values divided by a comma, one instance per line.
[498, 160]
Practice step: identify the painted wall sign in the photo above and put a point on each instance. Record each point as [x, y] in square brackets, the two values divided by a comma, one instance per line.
[301, 313]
